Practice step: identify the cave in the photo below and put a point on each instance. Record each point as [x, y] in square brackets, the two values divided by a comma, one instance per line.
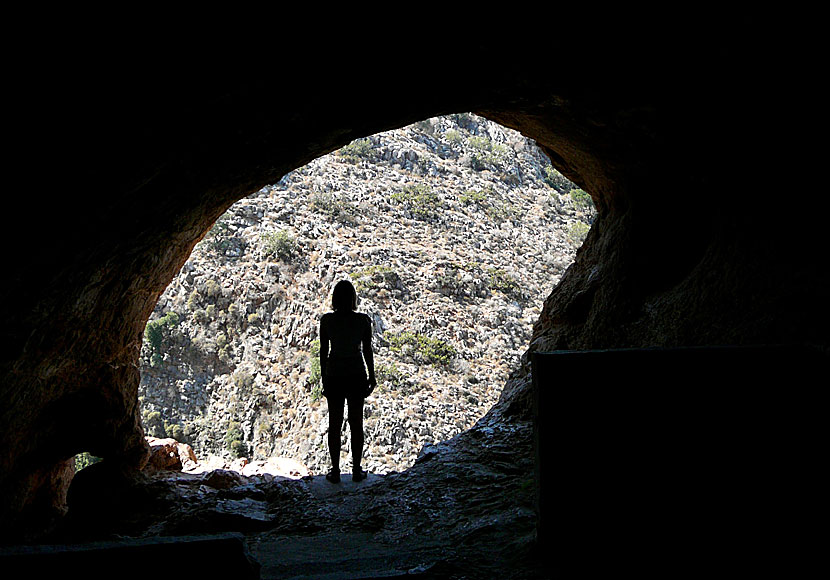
[126, 171]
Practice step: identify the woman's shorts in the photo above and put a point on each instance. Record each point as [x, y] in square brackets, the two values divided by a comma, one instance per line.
[347, 386]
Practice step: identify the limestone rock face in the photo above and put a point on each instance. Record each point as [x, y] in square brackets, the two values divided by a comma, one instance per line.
[126, 174]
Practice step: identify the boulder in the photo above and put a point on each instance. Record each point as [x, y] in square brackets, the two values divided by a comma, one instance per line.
[170, 454]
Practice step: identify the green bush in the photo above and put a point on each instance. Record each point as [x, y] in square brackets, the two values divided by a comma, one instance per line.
[374, 277]
[424, 126]
[156, 333]
[578, 232]
[315, 382]
[389, 376]
[234, 442]
[243, 380]
[359, 149]
[472, 197]
[556, 180]
[500, 211]
[175, 431]
[504, 283]
[238, 449]
[453, 136]
[219, 239]
[582, 200]
[85, 460]
[316, 392]
[485, 153]
[281, 245]
[153, 424]
[199, 317]
[419, 199]
[421, 349]
[338, 210]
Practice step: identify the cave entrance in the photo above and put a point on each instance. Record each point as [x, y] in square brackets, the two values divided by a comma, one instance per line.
[453, 230]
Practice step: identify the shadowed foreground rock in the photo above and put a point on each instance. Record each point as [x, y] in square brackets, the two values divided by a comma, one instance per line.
[465, 507]
[212, 556]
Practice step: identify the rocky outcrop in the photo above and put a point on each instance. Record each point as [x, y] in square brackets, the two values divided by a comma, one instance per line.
[169, 454]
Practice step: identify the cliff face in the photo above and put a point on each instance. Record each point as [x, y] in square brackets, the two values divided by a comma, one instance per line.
[150, 166]
[453, 230]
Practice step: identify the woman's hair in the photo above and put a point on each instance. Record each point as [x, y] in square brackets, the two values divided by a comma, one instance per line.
[344, 297]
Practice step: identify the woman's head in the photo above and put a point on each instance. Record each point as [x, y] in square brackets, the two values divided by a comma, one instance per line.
[344, 296]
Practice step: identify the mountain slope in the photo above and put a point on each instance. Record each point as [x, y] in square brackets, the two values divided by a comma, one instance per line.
[453, 230]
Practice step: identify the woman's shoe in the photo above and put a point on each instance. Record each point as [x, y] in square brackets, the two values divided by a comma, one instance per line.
[359, 475]
[333, 476]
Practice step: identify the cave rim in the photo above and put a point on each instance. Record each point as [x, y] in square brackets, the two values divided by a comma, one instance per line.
[417, 179]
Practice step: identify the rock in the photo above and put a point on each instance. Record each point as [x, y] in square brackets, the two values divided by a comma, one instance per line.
[278, 466]
[222, 479]
[170, 454]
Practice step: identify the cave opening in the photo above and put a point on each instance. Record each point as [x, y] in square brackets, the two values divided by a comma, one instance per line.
[453, 229]
[162, 158]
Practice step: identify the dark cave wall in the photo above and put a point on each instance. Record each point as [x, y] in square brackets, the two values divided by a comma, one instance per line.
[144, 172]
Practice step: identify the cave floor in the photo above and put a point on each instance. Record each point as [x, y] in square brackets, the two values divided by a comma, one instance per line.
[463, 510]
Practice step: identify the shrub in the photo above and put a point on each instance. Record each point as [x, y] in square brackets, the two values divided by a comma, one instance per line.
[485, 153]
[424, 126]
[374, 277]
[582, 200]
[175, 431]
[473, 197]
[243, 380]
[359, 149]
[500, 211]
[388, 375]
[420, 348]
[504, 282]
[219, 239]
[199, 317]
[556, 180]
[453, 136]
[156, 333]
[577, 232]
[85, 460]
[238, 448]
[234, 440]
[153, 424]
[281, 245]
[328, 204]
[420, 200]
[193, 300]
[315, 382]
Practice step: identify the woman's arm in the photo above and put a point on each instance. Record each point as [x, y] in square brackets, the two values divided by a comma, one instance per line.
[324, 351]
[368, 354]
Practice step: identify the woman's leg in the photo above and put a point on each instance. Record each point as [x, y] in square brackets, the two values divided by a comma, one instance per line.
[336, 404]
[356, 430]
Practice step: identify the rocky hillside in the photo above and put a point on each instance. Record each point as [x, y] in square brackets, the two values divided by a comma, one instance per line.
[453, 231]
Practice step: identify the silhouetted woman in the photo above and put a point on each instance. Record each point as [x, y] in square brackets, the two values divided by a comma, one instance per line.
[345, 343]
